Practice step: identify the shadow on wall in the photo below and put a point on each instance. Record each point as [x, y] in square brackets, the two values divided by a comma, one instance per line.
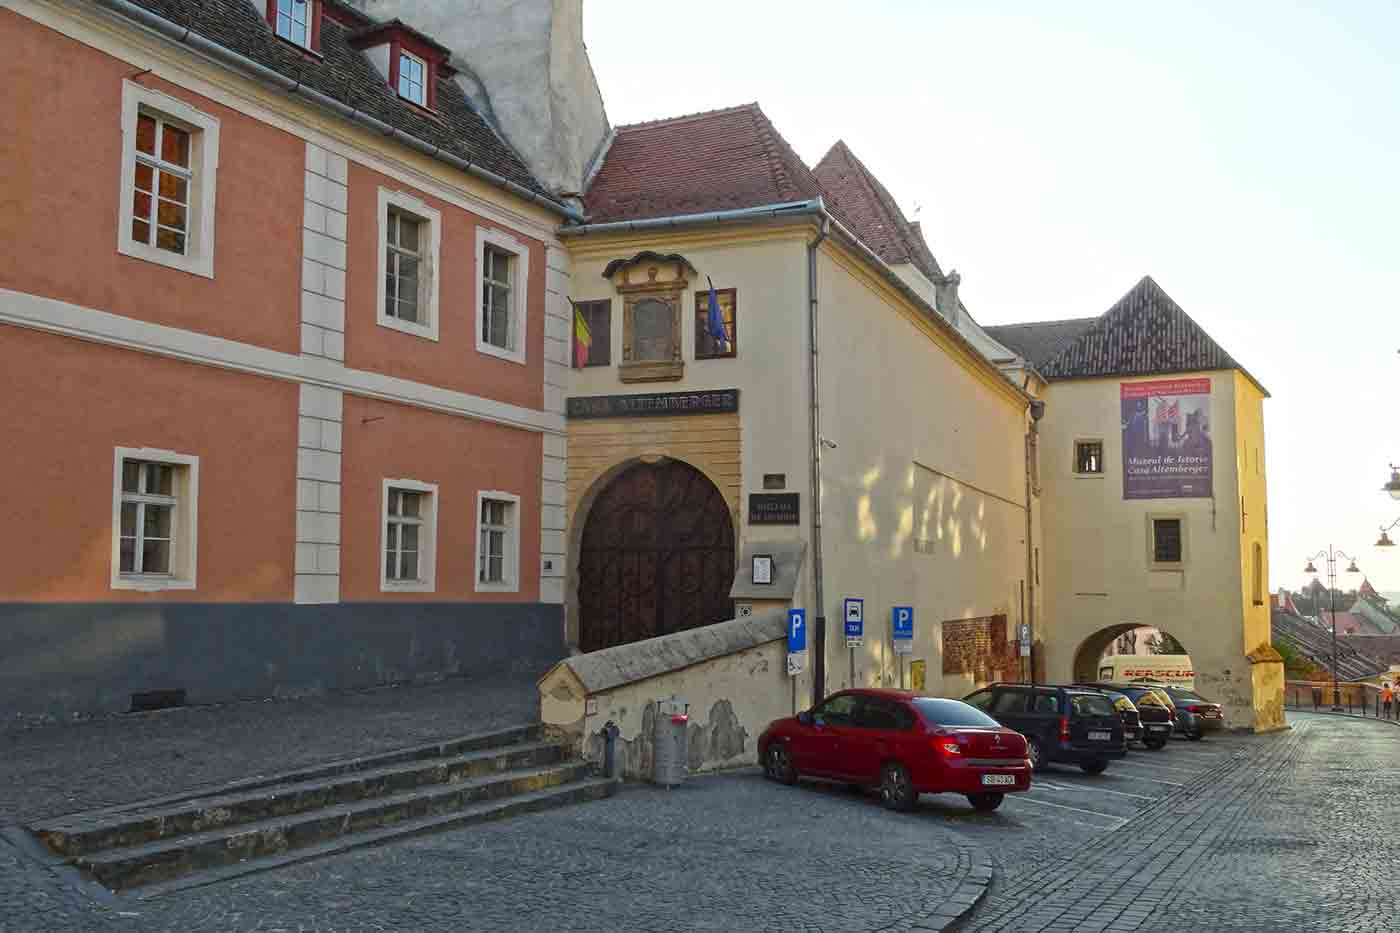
[721, 742]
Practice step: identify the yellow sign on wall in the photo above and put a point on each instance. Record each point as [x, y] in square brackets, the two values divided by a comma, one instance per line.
[916, 674]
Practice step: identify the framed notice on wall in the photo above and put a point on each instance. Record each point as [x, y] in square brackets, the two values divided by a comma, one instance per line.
[763, 568]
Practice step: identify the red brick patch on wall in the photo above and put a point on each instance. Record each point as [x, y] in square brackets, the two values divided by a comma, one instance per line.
[978, 647]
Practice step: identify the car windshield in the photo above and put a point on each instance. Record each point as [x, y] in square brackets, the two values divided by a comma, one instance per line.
[1090, 704]
[1122, 703]
[937, 712]
[1188, 696]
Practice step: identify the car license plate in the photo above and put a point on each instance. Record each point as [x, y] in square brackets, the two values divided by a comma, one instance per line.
[1159, 728]
[1100, 736]
[993, 779]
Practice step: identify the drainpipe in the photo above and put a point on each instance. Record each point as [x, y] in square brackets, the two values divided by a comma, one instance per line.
[819, 628]
[1037, 411]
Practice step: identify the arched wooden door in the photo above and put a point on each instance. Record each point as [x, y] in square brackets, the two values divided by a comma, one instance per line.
[657, 556]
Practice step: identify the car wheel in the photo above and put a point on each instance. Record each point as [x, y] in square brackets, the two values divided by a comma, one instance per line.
[1035, 755]
[1093, 767]
[896, 789]
[985, 803]
[1156, 744]
[777, 764]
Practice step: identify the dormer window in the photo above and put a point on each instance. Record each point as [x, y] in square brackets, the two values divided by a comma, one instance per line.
[409, 61]
[296, 21]
[413, 83]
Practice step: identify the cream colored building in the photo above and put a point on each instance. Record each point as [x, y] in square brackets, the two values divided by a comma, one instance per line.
[683, 461]
[1177, 537]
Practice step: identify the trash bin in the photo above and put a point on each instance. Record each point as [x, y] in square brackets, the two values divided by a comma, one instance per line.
[672, 745]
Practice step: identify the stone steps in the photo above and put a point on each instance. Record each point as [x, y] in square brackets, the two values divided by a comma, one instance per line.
[265, 822]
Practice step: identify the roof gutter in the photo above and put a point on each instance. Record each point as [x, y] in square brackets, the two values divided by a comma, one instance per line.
[260, 72]
[737, 215]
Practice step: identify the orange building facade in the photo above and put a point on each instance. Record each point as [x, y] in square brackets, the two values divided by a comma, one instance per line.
[285, 389]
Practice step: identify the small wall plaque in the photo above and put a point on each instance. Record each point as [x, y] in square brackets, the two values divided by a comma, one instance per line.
[775, 508]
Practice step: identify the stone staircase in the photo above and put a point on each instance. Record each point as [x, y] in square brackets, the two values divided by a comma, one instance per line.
[194, 839]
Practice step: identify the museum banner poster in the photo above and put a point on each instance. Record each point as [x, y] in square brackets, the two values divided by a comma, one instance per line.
[1166, 439]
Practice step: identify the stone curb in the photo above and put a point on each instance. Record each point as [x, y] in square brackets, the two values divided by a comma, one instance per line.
[965, 896]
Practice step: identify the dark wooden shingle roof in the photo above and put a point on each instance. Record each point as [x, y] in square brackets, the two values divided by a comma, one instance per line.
[1144, 334]
[1041, 341]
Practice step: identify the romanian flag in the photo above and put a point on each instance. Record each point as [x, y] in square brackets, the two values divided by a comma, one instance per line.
[583, 338]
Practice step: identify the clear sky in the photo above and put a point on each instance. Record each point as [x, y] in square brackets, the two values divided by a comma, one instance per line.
[1246, 155]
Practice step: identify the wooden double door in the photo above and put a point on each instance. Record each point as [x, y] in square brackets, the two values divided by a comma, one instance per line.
[657, 556]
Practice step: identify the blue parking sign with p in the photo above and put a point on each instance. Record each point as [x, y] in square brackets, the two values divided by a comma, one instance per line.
[797, 630]
[903, 622]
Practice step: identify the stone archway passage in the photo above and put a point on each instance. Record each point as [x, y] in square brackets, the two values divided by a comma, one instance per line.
[657, 556]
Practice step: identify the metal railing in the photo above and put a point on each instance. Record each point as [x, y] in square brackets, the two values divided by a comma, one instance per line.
[1357, 699]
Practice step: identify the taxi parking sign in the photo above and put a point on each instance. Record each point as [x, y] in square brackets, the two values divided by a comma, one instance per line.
[855, 622]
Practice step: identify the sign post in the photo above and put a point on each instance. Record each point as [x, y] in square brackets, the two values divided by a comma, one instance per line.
[902, 634]
[796, 641]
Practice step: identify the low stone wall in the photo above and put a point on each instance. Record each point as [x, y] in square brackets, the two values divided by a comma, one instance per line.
[732, 674]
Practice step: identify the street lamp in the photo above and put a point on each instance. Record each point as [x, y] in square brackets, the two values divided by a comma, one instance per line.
[1384, 539]
[1393, 486]
[1332, 554]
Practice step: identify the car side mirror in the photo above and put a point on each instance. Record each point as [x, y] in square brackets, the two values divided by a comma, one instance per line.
[805, 717]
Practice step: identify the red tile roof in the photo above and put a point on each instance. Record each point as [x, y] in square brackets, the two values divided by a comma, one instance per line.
[871, 212]
[713, 161]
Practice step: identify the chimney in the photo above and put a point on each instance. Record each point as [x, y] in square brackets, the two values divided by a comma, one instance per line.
[523, 65]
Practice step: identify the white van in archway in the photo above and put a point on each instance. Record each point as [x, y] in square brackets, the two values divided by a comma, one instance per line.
[1173, 669]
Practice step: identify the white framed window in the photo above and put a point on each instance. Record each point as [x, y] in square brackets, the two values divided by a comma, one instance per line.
[413, 78]
[503, 276]
[410, 235]
[293, 21]
[497, 542]
[155, 512]
[170, 156]
[408, 538]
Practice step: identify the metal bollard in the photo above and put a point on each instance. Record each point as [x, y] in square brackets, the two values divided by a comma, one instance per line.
[609, 732]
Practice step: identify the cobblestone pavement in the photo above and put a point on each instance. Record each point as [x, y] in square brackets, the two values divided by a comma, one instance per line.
[1232, 834]
[725, 852]
[1291, 831]
[51, 770]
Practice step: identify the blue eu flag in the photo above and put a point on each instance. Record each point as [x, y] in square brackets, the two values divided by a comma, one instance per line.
[715, 323]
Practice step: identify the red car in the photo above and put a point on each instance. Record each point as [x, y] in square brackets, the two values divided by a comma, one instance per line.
[904, 743]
